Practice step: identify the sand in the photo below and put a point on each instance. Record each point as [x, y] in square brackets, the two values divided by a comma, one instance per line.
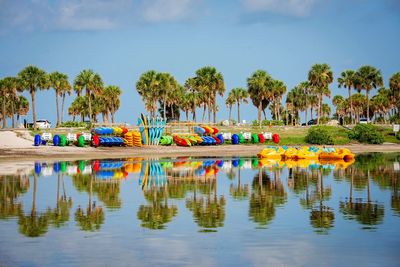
[19, 145]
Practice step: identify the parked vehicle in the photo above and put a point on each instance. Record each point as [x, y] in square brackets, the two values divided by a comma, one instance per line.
[310, 122]
[41, 124]
[363, 121]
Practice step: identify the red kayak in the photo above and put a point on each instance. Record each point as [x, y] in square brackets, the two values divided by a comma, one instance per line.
[179, 141]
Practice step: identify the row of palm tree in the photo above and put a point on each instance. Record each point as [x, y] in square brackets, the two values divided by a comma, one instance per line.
[32, 79]
[201, 92]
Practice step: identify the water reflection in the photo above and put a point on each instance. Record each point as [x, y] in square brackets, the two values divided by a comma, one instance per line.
[204, 189]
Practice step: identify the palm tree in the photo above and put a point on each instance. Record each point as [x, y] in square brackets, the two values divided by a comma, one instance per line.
[91, 82]
[320, 76]
[278, 90]
[78, 107]
[59, 82]
[240, 95]
[167, 87]
[11, 86]
[347, 80]
[4, 93]
[147, 88]
[192, 86]
[259, 86]
[394, 84]
[33, 78]
[366, 78]
[22, 106]
[229, 102]
[325, 110]
[112, 93]
[381, 103]
[338, 101]
[306, 88]
[212, 82]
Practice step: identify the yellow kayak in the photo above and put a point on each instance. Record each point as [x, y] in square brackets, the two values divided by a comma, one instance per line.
[336, 154]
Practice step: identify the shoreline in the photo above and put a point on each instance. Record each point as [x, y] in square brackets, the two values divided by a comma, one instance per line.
[75, 153]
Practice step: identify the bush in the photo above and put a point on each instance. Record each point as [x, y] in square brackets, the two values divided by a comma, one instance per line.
[71, 124]
[267, 123]
[319, 135]
[366, 133]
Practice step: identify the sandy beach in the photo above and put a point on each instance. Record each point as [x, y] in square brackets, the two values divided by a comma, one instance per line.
[19, 145]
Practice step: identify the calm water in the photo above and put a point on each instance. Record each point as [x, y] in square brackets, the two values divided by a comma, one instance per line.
[202, 212]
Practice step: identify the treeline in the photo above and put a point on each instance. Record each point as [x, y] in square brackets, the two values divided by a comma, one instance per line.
[161, 91]
[98, 98]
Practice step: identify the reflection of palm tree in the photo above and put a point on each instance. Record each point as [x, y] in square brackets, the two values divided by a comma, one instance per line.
[94, 217]
[208, 212]
[60, 214]
[266, 194]
[156, 215]
[241, 191]
[8, 206]
[322, 217]
[33, 225]
[366, 213]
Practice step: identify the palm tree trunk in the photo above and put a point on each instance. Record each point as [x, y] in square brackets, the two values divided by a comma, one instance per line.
[194, 107]
[3, 112]
[34, 195]
[33, 107]
[165, 107]
[187, 115]
[230, 113]
[58, 112]
[12, 113]
[112, 111]
[351, 107]
[204, 112]
[62, 108]
[238, 107]
[259, 113]
[306, 109]
[90, 108]
[367, 95]
[319, 108]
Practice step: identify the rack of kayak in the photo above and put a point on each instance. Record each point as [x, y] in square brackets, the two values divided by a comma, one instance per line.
[306, 152]
[206, 136]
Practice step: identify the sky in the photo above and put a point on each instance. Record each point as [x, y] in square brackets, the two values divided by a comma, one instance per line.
[121, 39]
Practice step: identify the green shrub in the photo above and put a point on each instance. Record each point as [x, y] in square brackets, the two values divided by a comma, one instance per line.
[319, 135]
[366, 133]
[267, 123]
[71, 124]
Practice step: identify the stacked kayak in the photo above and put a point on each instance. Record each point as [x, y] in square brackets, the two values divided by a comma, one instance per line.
[133, 138]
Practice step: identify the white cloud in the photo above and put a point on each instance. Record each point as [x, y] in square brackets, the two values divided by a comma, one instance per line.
[89, 14]
[299, 8]
[167, 10]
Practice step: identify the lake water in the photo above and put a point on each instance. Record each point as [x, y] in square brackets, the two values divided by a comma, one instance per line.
[202, 212]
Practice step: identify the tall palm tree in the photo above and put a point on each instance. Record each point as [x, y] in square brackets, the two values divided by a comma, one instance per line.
[59, 82]
[4, 93]
[338, 101]
[112, 94]
[147, 88]
[367, 78]
[192, 86]
[320, 76]
[92, 83]
[212, 82]
[305, 86]
[278, 90]
[11, 86]
[229, 102]
[394, 84]
[167, 87]
[22, 106]
[259, 86]
[240, 95]
[381, 103]
[347, 80]
[33, 78]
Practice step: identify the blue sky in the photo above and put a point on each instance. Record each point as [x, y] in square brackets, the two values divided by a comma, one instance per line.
[121, 39]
